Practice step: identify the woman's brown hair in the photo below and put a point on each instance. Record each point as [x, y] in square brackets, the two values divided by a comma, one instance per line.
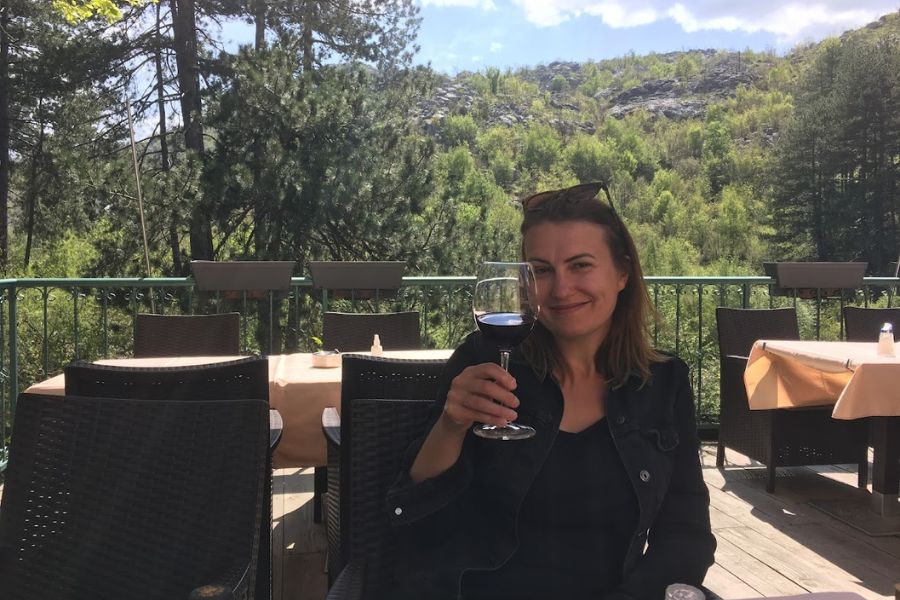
[626, 351]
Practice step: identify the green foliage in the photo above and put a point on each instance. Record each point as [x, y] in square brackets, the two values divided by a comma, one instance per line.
[686, 67]
[837, 159]
[76, 11]
[559, 84]
[459, 130]
[541, 148]
[717, 156]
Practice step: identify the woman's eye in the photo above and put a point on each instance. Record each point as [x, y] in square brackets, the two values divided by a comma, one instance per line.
[581, 266]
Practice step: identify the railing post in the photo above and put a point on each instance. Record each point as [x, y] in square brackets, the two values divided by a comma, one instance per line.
[13, 352]
[818, 312]
[271, 321]
[75, 323]
[699, 343]
[104, 319]
[677, 319]
[45, 345]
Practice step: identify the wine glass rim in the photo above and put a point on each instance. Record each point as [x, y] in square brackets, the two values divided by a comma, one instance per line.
[505, 262]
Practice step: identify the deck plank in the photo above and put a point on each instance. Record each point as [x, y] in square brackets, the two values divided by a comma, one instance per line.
[745, 564]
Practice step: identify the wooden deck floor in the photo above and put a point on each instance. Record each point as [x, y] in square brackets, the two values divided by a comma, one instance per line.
[769, 544]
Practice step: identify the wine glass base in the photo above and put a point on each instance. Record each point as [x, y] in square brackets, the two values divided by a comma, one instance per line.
[510, 431]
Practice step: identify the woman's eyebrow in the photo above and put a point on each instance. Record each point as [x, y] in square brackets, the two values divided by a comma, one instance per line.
[579, 256]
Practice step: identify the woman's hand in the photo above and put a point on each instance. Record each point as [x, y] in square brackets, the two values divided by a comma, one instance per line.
[481, 393]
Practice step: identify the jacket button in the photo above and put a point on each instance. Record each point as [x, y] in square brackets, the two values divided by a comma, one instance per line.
[398, 511]
[620, 420]
[645, 475]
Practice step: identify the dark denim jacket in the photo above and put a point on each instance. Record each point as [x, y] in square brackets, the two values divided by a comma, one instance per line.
[466, 517]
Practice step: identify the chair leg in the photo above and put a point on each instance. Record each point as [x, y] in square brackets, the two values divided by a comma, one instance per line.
[863, 474]
[320, 484]
[720, 455]
[770, 478]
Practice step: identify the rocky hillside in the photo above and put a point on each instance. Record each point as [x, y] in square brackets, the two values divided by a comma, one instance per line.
[707, 76]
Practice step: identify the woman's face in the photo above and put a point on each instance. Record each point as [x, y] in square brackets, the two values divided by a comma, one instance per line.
[577, 281]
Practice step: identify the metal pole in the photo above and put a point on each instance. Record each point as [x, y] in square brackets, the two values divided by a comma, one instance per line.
[140, 196]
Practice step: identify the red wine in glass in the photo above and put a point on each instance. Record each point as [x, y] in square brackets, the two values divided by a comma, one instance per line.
[505, 308]
[505, 329]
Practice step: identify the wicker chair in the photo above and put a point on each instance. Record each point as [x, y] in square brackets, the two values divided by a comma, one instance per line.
[780, 437]
[353, 332]
[132, 499]
[375, 436]
[231, 380]
[187, 335]
[364, 377]
[863, 324]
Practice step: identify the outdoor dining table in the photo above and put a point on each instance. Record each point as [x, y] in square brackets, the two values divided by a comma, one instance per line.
[297, 390]
[853, 378]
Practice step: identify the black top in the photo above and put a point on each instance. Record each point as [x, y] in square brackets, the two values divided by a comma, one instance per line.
[574, 525]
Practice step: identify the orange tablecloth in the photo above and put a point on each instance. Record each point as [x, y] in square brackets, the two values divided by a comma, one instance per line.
[849, 375]
[297, 390]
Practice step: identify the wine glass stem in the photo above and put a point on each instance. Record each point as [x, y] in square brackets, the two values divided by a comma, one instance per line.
[504, 360]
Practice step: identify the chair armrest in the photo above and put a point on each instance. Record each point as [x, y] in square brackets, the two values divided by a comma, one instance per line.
[331, 426]
[276, 427]
[349, 584]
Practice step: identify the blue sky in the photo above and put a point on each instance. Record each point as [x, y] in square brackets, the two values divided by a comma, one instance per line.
[458, 35]
[473, 34]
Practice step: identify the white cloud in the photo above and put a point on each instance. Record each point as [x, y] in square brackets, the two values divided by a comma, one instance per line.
[789, 20]
[482, 4]
[476, 58]
[495, 47]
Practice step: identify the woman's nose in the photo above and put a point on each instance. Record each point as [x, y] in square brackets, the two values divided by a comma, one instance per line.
[561, 285]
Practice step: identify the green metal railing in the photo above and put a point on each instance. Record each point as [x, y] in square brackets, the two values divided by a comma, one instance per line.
[46, 323]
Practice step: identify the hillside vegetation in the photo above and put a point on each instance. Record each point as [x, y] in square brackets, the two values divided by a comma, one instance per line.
[718, 161]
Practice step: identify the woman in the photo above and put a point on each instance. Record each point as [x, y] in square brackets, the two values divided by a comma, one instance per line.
[607, 500]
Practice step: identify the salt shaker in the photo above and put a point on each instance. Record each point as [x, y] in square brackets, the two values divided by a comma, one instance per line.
[886, 340]
[683, 591]
[376, 346]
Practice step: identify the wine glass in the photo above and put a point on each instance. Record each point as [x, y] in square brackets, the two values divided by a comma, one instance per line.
[505, 308]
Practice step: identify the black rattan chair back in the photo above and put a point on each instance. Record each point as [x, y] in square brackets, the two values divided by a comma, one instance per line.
[863, 324]
[230, 380]
[380, 432]
[353, 332]
[781, 437]
[187, 335]
[740, 327]
[132, 499]
[368, 377]
[234, 379]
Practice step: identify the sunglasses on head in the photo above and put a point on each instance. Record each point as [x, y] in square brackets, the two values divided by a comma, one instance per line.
[572, 195]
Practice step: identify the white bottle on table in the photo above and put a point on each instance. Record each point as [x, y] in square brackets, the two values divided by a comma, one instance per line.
[376, 346]
[886, 340]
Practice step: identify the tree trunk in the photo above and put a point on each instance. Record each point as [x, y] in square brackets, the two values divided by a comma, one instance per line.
[4, 134]
[309, 25]
[165, 162]
[33, 184]
[260, 19]
[184, 24]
